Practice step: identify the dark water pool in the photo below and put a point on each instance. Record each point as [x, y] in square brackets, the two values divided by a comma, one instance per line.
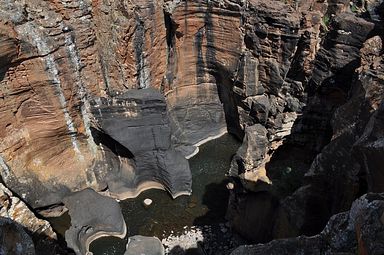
[207, 204]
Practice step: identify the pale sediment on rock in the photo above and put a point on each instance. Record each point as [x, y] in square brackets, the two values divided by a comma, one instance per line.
[92, 216]
[15, 209]
[125, 194]
[101, 234]
[221, 132]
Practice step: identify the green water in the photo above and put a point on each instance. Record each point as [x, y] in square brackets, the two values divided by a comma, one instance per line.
[207, 204]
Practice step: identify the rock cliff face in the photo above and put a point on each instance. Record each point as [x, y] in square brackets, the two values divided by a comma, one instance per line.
[134, 129]
[110, 95]
[358, 231]
[320, 167]
[55, 64]
[22, 232]
[220, 64]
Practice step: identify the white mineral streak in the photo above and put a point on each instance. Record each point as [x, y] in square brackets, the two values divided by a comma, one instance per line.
[144, 73]
[219, 134]
[4, 166]
[85, 107]
[29, 30]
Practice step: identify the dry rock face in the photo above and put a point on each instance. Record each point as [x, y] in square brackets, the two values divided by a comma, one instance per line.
[220, 64]
[22, 232]
[112, 94]
[358, 231]
[342, 113]
[55, 64]
[14, 239]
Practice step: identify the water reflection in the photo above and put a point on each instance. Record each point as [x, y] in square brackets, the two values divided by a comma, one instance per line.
[165, 216]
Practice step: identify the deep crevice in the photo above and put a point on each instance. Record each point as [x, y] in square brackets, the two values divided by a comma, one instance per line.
[117, 148]
[171, 34]
[169, 29]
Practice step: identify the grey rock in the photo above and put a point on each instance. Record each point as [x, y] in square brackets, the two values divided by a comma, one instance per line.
[349, 164]
[136, 119]
[135, 126]
[359, 230]
[259, 108]
[195, 119]
[340, 50]
[144, 245]
[252, 152]
[92, 216]
[14, 240]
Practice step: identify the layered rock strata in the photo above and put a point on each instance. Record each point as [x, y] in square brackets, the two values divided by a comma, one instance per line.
[341, 109]
[54, 66]
[216, 71]
[70, 71]
[135, 127]
[358, 231]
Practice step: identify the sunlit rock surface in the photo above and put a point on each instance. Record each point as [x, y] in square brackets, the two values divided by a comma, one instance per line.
[297, 78]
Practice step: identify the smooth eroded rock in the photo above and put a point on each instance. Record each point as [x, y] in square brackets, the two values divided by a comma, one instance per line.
[92, 216]
[144, 245]
[135, 126]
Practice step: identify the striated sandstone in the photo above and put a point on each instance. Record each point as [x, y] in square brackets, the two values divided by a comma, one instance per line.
[205, 57]
[283, 68]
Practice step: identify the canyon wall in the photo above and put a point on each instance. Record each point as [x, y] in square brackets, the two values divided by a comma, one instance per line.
[67, 66]
[320, 168]
[113, 95]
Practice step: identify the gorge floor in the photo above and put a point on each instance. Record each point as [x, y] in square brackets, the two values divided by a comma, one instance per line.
[198, 218]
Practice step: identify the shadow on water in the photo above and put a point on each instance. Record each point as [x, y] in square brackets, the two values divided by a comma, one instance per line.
[215, 199]
[177, 250]
[166, 216]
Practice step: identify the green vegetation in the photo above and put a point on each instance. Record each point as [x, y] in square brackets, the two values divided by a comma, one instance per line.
[354, 8]
[326, 20]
